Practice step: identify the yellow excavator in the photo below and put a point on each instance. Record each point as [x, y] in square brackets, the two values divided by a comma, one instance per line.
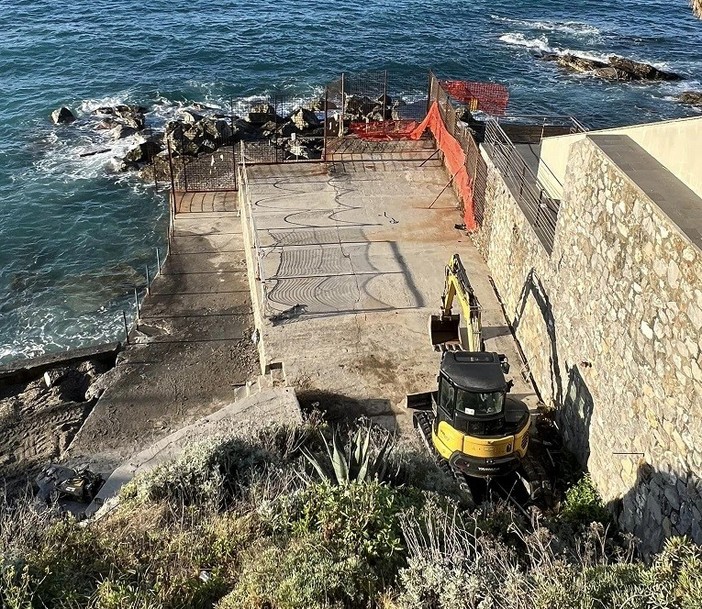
[470, 420]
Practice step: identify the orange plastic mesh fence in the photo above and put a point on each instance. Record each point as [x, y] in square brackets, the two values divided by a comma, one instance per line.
[455, 160]
[488, 97]
[383, 130]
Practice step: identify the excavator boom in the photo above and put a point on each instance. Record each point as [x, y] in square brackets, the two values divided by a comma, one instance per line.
[462, 331]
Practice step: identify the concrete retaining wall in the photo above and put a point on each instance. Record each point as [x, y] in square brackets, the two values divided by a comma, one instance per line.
[611, 325]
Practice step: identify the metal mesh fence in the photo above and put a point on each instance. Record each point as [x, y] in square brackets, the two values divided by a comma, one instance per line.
[366, 105]
[467, 132]
[210, 172]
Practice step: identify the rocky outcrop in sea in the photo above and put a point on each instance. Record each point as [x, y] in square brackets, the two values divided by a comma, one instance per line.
[615, 68]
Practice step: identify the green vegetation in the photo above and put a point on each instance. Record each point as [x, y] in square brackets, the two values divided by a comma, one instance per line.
[302, 517]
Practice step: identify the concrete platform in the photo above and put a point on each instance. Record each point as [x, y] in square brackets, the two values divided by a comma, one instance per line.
[192, 348]
[351, 264]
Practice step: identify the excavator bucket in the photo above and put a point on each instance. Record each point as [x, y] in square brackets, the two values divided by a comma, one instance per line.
[444, 332]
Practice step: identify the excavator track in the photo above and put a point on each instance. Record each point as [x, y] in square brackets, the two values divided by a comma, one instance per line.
[422, 423]
[529, 486]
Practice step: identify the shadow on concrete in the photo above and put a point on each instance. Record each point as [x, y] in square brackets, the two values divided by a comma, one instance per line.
[495, 331]
[341, 408]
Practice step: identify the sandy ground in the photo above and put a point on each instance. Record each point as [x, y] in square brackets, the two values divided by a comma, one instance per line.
[37, 421]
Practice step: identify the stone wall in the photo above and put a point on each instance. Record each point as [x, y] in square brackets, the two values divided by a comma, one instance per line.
[610, 324]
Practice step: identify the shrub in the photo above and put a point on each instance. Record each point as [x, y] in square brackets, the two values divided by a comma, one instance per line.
[303, 573]
[212, 473]
[359, 519]
[584, 505]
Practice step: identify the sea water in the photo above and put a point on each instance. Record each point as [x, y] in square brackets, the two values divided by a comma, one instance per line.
[76, 234]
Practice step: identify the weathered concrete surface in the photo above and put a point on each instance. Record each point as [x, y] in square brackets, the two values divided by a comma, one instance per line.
[351, 265]
[192, 348]
[269, 405]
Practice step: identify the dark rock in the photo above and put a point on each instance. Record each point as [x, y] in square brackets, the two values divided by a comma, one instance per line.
[359, 106]
[304, 119]
[126, 111]
[131, 116]
[386, 100]
[616, 68]
[122, 131]
[318, 132]
[286, 129]
[269, 128]
[106, 123]
[609, 73]
[62, 115]
[143, 153]
[137, 122]
[385, 112]
[261, 113]
[201, 106]
[574, 63]
[693, 98]
[191, 117]
[224, 131]
[318, 105]
[640, 71]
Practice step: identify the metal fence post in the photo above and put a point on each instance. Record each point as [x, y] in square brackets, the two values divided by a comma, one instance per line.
[343, 105]
[326, 123]
[126, 327]
[170, 165]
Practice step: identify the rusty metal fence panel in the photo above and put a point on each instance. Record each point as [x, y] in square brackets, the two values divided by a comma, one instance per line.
[452, 115]
[210, 172]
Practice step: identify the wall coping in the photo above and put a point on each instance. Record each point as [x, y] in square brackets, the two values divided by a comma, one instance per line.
[675, 201]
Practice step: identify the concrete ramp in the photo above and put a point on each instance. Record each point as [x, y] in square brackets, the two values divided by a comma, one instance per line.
[264, 406]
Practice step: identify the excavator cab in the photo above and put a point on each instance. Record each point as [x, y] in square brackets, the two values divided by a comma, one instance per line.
[476, 426]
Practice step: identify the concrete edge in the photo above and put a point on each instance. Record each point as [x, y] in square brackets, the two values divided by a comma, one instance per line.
[28, 369]
[255, 285]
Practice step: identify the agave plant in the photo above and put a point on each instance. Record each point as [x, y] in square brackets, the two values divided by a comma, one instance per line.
[357, 462]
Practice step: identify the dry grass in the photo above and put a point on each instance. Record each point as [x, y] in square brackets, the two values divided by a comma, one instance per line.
[696, 7]
[242, 523]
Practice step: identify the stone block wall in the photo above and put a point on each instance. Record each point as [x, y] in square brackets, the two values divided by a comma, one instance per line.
[611, 326]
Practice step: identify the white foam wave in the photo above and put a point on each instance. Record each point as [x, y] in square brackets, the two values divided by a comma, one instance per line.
[576, 28]
[541, 44]
[81, 151]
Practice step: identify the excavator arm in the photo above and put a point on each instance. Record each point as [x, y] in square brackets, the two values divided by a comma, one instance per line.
[462, 331]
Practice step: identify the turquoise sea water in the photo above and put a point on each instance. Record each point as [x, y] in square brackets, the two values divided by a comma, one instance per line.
[75, 235]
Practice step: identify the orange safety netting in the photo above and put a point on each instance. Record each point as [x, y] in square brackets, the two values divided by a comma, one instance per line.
[383, 130]
[485, 96]
[454, 157]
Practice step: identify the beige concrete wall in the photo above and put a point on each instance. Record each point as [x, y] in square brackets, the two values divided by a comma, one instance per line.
[674, 144]
[611, 326]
